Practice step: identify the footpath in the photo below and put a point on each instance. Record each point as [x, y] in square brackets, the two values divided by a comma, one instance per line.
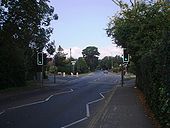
[122, 110]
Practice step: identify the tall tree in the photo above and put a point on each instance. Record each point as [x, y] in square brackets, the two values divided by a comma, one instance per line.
[81, 65]
[60, 57]
[91, 56]
[24, 30]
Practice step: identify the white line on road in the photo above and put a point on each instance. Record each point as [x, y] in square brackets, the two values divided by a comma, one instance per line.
[87, 105]
[25, 105]
[39, 102]
[47, 99]
[87, 110]
[78, 121]
[2, 112]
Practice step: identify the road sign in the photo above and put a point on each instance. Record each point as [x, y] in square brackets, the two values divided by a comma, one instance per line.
[40, 58]
[73, 62]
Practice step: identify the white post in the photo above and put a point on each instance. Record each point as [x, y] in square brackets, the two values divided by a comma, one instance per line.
[77, 74]
[64, 74]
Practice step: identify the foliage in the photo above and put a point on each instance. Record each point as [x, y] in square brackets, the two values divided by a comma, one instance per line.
[144, 30]
[65, 68]
[24, 30]
[109, 62]
[60, 57]
[106, 63]
[91, 57]
[51, 48]
[131, 67]
[81, 65]
[53, 69]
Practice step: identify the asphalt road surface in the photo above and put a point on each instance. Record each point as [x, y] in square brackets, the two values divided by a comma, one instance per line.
[62, 109]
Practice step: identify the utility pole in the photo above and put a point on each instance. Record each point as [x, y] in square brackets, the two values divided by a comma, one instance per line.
[70, 61]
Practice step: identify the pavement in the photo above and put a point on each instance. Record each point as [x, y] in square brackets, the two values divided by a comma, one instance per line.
[122, 110]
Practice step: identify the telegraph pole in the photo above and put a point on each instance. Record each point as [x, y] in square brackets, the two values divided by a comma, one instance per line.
[70, 61]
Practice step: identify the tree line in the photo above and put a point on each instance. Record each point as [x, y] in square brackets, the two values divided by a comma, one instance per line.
[144, 30]
[88, 63]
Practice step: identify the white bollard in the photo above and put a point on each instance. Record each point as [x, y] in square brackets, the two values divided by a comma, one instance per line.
[64, 74]
[77, 74]
[71, 74]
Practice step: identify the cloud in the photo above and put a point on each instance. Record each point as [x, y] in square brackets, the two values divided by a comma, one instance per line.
[110, 50]
[75, 52]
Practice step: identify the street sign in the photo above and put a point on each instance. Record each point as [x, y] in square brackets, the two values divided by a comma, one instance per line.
[73, 62]
[40, 58]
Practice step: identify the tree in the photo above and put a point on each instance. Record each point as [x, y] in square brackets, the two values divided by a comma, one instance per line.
[81, 65]
[51, 48]
[109, 62]
[60, 57]
[24, 30]
[144, 30]
[91, 57]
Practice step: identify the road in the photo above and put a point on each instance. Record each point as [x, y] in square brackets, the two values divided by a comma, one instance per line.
[68, 107]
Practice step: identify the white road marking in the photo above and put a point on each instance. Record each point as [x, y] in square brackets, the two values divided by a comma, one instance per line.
[39, 102]
[2, 112]
[87, 110]
[98, 82]
[47, 99]
[25, 105]
[87, 105]
[78, 121]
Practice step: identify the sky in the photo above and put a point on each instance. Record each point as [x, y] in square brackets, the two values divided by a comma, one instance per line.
[81, 24]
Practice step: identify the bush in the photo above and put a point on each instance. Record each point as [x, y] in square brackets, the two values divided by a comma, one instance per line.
[153, 78]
